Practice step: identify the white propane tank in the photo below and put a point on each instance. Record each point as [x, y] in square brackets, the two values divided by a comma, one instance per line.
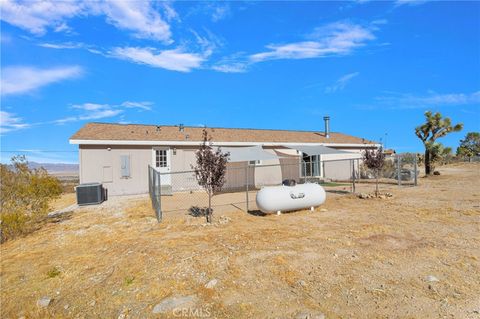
[287, 198]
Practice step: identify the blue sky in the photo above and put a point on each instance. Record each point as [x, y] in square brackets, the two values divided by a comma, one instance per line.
[374, 67]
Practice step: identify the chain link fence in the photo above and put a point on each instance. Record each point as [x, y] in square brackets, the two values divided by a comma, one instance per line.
[180, 192]
[398, 169]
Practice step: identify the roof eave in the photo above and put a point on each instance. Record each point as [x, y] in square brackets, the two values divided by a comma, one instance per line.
[196, 143]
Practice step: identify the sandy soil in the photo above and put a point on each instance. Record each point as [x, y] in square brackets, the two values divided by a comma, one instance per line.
[352, 258]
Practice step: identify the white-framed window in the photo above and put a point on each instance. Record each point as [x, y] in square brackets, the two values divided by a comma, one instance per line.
[161, 158]
[311, 165]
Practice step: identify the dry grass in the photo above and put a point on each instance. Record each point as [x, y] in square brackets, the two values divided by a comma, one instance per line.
[64, 201]
[360, 258]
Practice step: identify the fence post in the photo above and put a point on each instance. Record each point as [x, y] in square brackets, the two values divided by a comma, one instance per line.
[415, 169]
[353, 175]
[150, 182]
[398, 170]
[159, 198]
[304, 172]
[246, 179]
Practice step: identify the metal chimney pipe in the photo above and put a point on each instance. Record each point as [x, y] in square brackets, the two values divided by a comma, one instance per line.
[327, 126]
[180, 127]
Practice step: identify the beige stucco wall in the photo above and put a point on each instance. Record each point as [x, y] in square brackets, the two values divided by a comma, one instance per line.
[98, 164]
[339, 166]
[101, 164]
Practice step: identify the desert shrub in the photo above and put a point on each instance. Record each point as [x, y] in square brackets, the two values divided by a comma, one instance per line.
[53, 272]
[25, 197]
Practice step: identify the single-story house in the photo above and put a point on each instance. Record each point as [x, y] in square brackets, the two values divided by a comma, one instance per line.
[118, 155]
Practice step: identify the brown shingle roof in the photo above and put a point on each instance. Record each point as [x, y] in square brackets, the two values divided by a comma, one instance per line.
[136, 132]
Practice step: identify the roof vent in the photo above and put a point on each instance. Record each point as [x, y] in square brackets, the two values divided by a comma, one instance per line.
[158, 128]
[327, 126]
[187, 136]
[181, 127]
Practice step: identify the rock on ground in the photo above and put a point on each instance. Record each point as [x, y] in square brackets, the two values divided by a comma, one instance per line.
[212, 283]
[169, 304]
[44, 302]
[307, 315]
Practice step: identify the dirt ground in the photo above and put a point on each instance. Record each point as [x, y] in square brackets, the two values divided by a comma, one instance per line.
[416, 255]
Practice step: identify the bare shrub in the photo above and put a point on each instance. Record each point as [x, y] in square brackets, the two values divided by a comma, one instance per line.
[26, 194]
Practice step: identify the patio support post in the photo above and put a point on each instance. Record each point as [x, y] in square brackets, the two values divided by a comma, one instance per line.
[246, 179]
[304, 172]
[353, 175]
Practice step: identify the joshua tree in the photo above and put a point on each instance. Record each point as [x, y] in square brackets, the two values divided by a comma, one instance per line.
[434, 127]
[470, 146]
[374, 160]
[210, 170]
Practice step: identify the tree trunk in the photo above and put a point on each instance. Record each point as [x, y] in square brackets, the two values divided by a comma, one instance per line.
[209, 212]
[427, 162]
[376, 185]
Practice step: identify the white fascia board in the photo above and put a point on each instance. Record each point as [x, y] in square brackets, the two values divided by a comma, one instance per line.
[196, 143]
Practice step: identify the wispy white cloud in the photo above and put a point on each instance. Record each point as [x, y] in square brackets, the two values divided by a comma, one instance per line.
[206, 43]
[403, 101]
[140, 17]
[233, 67]
[398, 2]
[339, 38]
[64, 45]
[90, 106]
[11, 122]
[97, 111]
[91, 111]
[409, 2]
[147, 106]
[235, 63]
[175, 60]
[220, 11]
[214, 10]
[379, 21]
[341, 83]
[37, 16]
[23, 79]
[169, 12]
[202, 46]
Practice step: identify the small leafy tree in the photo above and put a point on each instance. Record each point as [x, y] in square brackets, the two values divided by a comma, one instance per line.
[470, 145]
[25, 196]
[434, 127]
[374, 160]
[210, 170]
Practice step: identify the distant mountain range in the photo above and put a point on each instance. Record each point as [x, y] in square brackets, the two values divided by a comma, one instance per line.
[55, 167]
